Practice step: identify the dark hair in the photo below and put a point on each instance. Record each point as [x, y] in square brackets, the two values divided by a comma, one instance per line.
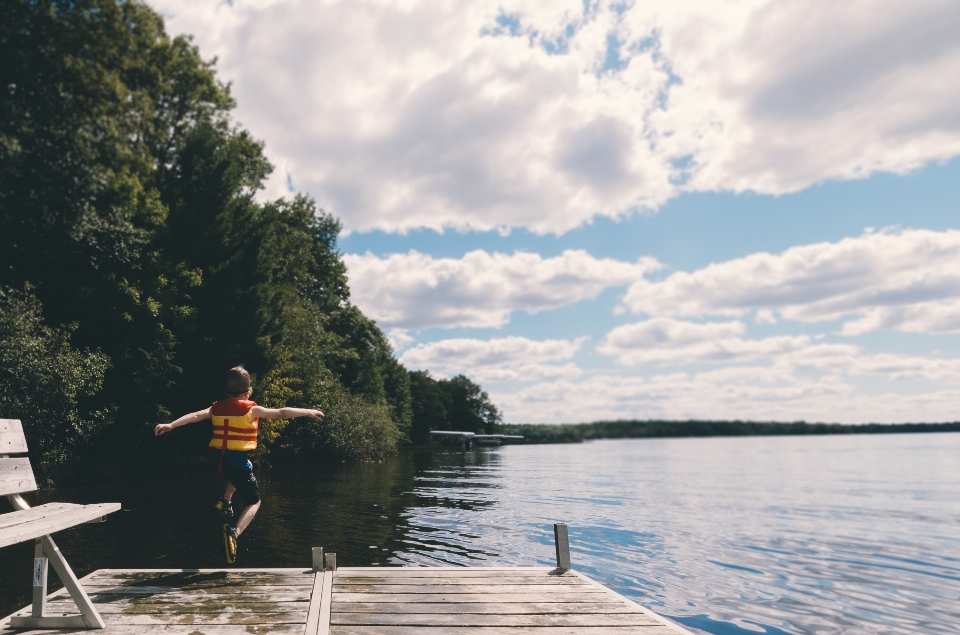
[237, 381]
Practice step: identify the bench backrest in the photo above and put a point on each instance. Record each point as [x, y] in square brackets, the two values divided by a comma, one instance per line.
[16, 475]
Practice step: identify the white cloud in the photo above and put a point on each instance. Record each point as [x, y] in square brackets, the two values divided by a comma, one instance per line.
[496, 114]
[665, 341]
[497, 360]
[399, 339]
[756, 393]
[921, 317]
[415, 290]
[907, 280]
[674, 396]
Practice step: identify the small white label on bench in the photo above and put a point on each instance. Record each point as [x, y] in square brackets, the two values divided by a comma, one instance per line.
[39, 566]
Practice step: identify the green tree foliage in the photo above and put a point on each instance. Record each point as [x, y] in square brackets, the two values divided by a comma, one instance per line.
[449, 404]
[127, 203]
[47, 384]
[428, 403]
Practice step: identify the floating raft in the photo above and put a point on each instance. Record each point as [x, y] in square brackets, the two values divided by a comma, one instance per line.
[356, 601]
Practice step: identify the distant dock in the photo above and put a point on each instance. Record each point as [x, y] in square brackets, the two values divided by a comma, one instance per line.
[356, 601]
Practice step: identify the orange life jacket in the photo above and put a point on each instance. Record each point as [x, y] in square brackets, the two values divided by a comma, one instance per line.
[233, 426]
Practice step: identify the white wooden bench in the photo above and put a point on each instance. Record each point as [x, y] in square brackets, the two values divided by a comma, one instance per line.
[37, 523]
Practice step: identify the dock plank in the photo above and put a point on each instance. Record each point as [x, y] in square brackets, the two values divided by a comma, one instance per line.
[173, 629]
[169, 595]
[453, 619]
[201, 607]
[518, 608]
[522, 589]
[491, 596]
[657, 629]
[454, 572]
[504, 578]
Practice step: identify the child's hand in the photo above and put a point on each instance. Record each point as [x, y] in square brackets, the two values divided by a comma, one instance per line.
[161, 429]
[316, 414]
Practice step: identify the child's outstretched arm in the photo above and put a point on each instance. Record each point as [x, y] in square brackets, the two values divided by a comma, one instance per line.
[285, 413]
[193, 417]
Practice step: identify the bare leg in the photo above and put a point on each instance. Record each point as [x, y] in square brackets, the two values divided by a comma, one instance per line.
[229, 491]
[246, 516]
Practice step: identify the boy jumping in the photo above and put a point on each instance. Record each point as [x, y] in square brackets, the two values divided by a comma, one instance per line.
[235, 423]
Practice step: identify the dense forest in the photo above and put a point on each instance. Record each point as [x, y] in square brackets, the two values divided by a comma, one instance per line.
[138, 263]
[632, 429]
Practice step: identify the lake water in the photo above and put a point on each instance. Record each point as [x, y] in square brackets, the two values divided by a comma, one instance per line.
[842, 534]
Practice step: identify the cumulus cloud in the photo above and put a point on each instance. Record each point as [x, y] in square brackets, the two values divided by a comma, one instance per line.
[545, 114]
[907, 280]
[753, 393]
[670, 342]
[415, 290]
[665, 341]
[498, 359]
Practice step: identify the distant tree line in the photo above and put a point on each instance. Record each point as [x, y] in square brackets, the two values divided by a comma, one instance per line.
[632, 429]
[137, 264]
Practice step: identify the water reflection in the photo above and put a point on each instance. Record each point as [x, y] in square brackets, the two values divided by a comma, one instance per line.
[729, 536]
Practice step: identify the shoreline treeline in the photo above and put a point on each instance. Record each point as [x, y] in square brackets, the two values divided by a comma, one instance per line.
[138, 264]
[634, 429]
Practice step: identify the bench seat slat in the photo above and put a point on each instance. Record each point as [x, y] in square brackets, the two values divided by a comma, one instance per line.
[43, 511]
[38, 521]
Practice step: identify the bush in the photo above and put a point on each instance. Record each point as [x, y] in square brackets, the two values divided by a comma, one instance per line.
[353, 428]
[44, 383]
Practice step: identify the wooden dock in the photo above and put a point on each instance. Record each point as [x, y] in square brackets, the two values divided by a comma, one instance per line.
[356, 601]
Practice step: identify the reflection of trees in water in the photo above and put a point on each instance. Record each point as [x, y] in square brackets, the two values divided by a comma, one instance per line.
[363, 511]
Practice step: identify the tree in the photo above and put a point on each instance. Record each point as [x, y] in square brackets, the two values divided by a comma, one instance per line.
[428, 403]
[47, 384]
[450, 404]
[470, 408]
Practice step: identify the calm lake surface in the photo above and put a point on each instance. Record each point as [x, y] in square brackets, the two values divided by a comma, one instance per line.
[842, 534]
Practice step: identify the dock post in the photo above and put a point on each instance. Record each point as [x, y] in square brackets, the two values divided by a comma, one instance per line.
[563, 546]
[317, 559]
[331, 561]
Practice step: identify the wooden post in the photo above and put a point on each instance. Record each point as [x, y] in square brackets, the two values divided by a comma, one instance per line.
[40, 568]
[317, 559]
[563, 546]
[330, 560]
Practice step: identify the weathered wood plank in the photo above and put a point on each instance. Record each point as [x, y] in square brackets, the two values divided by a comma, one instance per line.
[12, 440]
[313, 613]
[452, 619]
[16, 476]
[15, 518]
[518, 608]
[325, 604]
[65, 519]
[559, 589]
[492, 596]
[658, 629]
[139, 573]
[226, 617]
[167, 595]
[203, 580]
[173, 629]
[197, 606]
[432, 572]
[504, 578]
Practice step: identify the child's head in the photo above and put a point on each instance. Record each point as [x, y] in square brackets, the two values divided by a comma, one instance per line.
[237, 382]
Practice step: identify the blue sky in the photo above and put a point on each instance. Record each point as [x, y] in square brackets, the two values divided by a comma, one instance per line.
[743, 209]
